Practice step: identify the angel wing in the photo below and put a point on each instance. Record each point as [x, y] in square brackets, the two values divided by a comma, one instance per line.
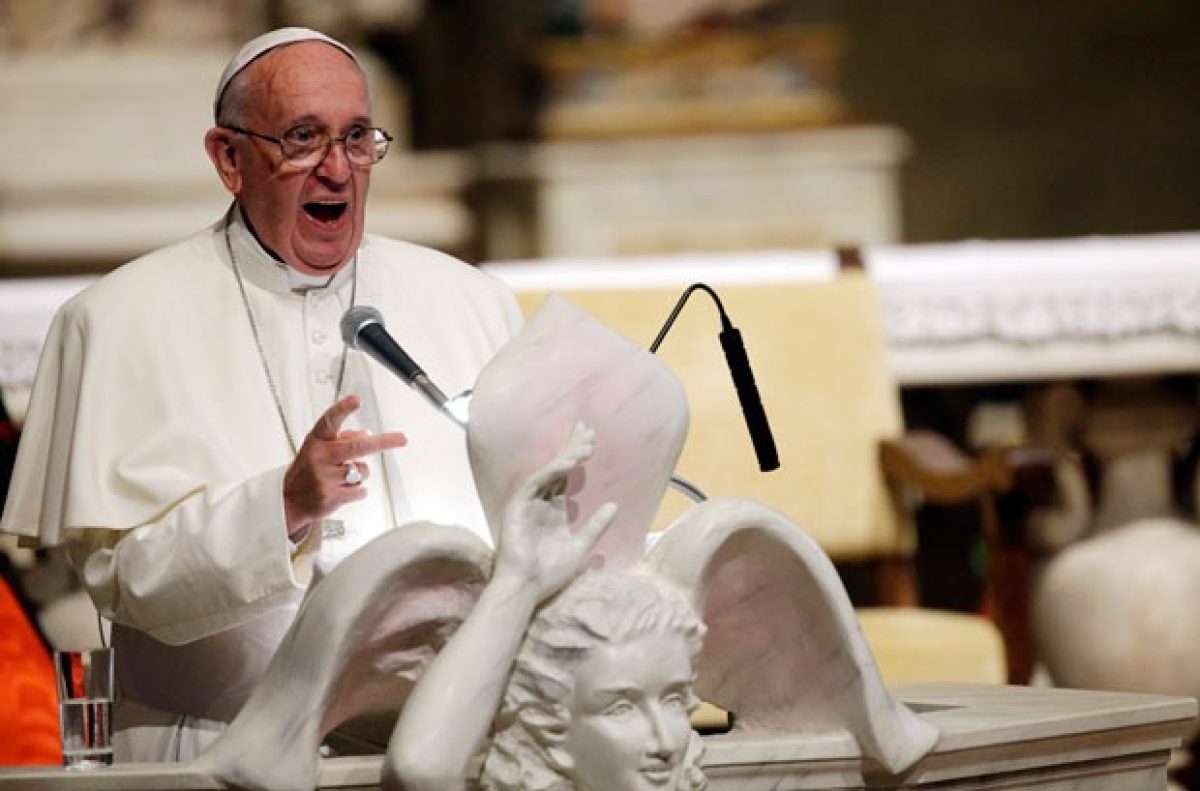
[784, 650]
[359, 641]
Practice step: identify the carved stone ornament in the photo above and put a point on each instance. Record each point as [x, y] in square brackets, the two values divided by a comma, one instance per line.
[565, 658]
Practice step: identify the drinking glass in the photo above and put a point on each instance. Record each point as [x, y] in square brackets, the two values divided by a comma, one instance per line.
[85, 693]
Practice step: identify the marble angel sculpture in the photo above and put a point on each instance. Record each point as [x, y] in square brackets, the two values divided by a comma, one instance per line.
[568, 658]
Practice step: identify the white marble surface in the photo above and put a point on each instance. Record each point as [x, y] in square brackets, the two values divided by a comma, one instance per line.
[992, 738]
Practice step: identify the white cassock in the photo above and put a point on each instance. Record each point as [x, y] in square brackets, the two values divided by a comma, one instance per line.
[154, 449]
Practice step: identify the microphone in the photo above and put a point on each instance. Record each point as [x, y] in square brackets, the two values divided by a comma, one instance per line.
[363, 329]
[743, 379]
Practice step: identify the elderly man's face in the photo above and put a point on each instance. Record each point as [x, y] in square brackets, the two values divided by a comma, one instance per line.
[312, 218]
[629, 726]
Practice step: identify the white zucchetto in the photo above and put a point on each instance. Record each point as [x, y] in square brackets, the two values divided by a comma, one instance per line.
[260, 46]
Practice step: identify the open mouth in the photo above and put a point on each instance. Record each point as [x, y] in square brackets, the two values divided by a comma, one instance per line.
[326, 212]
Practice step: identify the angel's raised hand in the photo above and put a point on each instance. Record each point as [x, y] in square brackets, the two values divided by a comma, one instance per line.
[536, 540]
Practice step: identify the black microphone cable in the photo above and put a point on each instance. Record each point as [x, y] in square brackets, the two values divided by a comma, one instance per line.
[743, 377]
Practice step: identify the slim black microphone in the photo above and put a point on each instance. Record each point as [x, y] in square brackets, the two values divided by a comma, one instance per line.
[363, 329]
[743, 379]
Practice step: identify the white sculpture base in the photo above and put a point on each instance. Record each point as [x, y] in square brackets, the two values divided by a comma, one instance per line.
[992, 737]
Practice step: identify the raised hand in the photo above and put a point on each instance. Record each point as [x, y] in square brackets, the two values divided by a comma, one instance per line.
[536, 542]
[320, 480]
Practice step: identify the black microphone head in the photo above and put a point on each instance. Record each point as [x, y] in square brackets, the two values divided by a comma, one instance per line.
[355, 319]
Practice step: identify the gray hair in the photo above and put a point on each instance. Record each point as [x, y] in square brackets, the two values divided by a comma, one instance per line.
[235, 101]
[600, 607]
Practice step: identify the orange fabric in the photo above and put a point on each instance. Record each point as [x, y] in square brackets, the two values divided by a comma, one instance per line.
[28, 699]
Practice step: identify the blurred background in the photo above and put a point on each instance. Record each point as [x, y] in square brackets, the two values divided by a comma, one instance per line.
[615, 130]
[987, 120]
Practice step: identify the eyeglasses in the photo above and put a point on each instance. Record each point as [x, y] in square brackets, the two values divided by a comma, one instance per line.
[307, 146]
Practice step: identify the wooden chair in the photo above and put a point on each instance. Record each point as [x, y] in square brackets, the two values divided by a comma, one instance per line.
[848, 469]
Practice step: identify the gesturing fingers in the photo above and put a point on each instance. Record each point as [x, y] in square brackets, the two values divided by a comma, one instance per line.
[349, 446]
[331, 465]
[328, 443]
[329, 425]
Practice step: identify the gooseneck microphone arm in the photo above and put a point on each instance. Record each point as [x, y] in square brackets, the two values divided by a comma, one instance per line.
[743, 378]
[363, 329]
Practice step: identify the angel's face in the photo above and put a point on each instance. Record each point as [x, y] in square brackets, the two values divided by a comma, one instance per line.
[629, 727]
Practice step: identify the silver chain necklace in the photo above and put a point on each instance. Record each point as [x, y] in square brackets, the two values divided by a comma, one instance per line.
[262, 354]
